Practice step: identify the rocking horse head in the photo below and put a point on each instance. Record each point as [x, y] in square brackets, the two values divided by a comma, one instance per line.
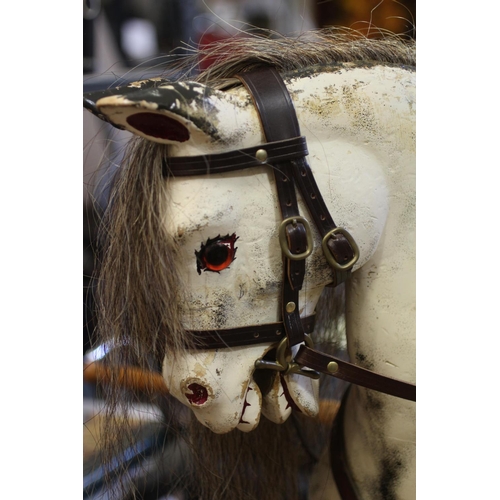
[246, 193]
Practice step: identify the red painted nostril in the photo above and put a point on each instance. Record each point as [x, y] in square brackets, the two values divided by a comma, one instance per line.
[199, 394]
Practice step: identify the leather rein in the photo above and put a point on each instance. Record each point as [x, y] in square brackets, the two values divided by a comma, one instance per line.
[285, 151]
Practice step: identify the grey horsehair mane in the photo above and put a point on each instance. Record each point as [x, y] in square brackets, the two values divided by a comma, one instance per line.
[314, 48]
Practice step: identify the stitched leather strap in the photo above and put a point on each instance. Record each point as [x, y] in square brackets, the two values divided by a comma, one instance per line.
[246, 335]
[343, 480]
[279, 122]
[337, 244]
[355, 374]
[273, 103]
[277, 151]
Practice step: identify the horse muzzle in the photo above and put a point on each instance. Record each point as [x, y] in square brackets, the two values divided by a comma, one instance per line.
[225, 390]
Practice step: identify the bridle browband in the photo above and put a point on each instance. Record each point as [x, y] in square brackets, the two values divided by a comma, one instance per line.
[286, 152]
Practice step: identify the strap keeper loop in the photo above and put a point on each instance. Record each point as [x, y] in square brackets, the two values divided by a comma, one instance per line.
[283, 241]
[329, 256]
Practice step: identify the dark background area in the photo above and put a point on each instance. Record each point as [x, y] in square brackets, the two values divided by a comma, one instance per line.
[169, 24]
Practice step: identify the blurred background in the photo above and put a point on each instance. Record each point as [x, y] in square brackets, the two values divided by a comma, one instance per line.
[128, 40]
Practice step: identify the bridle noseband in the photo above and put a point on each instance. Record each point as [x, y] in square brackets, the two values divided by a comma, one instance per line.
[286, 152]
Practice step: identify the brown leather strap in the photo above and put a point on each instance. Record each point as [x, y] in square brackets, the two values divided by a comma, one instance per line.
[273, 103]
[246, 335]
[279, 122]
[297, 242]
[277, 151]
[320, 362]
[338, 461]
[295, 234]
[290, 314]
[337, 244]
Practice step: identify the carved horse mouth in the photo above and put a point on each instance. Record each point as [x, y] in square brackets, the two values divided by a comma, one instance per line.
[245, 405]
[266, 378]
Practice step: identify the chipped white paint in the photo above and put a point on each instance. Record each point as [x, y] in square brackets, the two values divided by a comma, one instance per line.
[359, 124]
[114, 107]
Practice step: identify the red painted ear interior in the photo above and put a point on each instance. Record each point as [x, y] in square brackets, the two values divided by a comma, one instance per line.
[159, 126]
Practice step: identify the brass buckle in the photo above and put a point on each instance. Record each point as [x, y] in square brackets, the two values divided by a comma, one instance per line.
[284, 362]
[283, 241]
[328, 254]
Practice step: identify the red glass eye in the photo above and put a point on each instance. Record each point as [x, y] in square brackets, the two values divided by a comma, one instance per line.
[216, 254]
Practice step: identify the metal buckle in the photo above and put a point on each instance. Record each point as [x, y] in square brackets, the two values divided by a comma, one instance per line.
[328, 254]
[284, 362]
[284, 243]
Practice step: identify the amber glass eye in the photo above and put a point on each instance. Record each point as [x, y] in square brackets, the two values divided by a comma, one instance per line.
[216, 254]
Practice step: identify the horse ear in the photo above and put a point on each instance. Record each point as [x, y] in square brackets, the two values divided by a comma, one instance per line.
[158, 110]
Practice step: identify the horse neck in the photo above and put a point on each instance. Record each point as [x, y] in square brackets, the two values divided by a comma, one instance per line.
[380, 315]
[363, 153]
[378, 118]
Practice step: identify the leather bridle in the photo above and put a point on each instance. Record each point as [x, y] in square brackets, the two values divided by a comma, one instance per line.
[286, 152]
